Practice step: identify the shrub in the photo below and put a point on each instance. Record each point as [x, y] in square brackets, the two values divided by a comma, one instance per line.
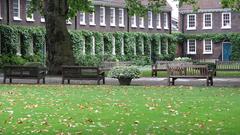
[185, 59]
[124, 72]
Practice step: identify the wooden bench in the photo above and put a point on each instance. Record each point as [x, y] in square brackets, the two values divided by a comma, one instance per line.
[189, 72]
[228, 66]
[82, 73]
[108, 65]
[162, 66]
[24, 72]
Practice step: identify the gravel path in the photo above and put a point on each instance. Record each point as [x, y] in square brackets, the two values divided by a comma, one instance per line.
[235, 82]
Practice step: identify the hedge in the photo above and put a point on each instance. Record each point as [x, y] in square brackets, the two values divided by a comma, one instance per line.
[89, 46]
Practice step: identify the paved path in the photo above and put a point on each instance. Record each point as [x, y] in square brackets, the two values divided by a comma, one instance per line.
[145, 81]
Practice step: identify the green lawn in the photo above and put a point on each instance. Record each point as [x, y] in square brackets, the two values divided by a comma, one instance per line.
[88, 109]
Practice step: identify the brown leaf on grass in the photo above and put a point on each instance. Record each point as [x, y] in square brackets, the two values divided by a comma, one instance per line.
[31, 106]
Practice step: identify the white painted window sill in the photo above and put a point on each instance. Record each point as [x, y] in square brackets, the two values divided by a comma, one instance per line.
[207, 28]
[30, 20]
[142, 27]
[191, 29]
[113, 25]
[191, 53]
[121, 25]
[159, 28]
[17, 19]
[207, 53]
[82, 23]
[226, 27]
[92, 24]
[134, 26]
[103, 24]
[1, 18]
[150, 27]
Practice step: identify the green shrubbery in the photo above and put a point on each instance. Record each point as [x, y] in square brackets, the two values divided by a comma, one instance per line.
[140, 48]
[127, 72]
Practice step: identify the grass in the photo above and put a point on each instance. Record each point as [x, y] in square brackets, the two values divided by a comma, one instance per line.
[87, 109]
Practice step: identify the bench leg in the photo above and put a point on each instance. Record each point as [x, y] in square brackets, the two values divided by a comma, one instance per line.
[10, 80]
[207, 81]
[169, 81]
[62, 81]
[103, 80]
[173, 81]
[98, 82]
[44, 80]
[68, 81]
[4, 80]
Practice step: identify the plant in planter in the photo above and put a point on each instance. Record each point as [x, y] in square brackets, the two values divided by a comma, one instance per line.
[124, 74]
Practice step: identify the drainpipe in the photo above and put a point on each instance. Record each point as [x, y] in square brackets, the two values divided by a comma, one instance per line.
[76, 22]
[182, 19]
[8, 12]
[170, 23]
[128, 21]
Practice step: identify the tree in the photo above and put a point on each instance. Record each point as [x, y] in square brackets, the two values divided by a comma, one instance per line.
[56, 12]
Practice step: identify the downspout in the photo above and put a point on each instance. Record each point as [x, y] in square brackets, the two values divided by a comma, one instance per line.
[76, 22]
[8, 12]
[128, 21]
[170, 23]
[182, 19]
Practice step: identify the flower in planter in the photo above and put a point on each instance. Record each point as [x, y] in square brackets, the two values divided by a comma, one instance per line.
[124, 74]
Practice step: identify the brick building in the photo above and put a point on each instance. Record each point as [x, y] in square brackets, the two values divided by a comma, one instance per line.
[109, 16]
[210, 18]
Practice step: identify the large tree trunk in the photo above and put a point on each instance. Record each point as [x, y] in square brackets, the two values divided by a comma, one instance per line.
[59, 45]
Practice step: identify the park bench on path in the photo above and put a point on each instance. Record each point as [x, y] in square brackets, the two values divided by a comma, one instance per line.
[24, 72]
[82, 73]
[108, 65]
[162, 66]
[189, 72]
[228, 66]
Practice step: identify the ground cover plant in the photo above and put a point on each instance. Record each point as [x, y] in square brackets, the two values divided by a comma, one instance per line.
[89, 109]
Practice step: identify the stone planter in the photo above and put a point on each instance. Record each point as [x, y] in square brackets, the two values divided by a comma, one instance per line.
[124, 81]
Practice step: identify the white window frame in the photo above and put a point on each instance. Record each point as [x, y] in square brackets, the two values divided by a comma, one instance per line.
[150, 19]
[29, 19]
[68, 21]
[42, 19]
[112, 17]
[195, 23]
[166, 24]
[0, 15]
[204, 21]
[158, 21]
[92, 16]
[102, 16]
[134, 21]
[121, 17]
[230, 20]
[204, 47]
[82, 18]
[18, 18]
[188, 49]
[141, 22]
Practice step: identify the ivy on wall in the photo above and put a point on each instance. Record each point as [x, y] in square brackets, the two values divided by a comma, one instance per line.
[128, 45]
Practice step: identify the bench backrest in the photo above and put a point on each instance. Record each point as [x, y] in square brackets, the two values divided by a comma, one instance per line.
[228, 65]
[188, 70]
[80, 71]
[163, 64]
[108, 65]
[23, 71]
